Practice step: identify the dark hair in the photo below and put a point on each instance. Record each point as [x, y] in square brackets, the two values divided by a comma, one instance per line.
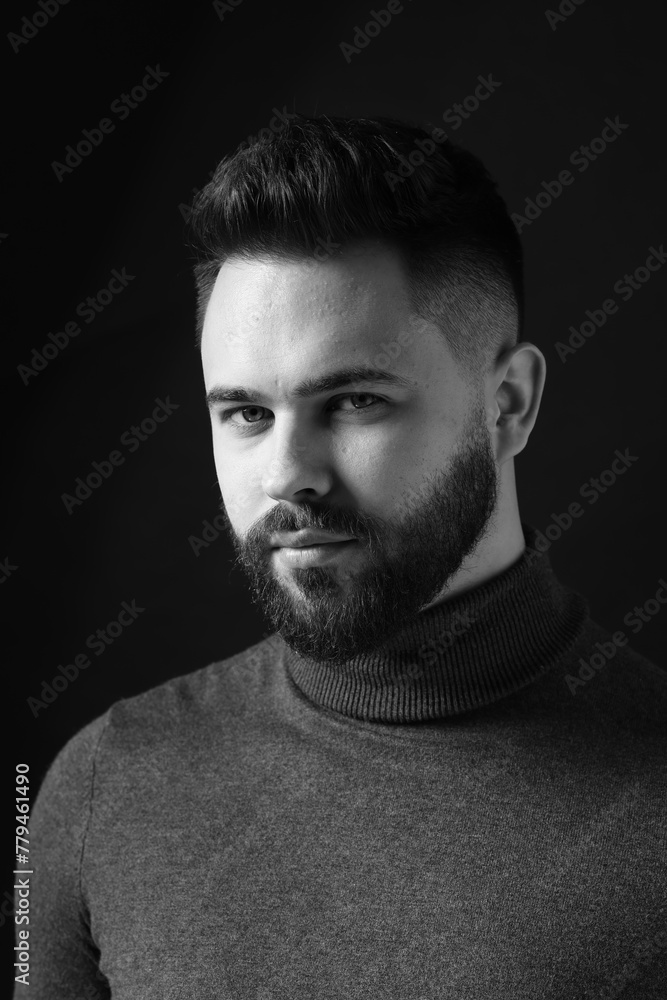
[313, 187]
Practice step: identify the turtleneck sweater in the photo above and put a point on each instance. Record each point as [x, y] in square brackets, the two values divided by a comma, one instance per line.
[476, 809]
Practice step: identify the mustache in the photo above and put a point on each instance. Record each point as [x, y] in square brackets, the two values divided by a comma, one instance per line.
[283, 518]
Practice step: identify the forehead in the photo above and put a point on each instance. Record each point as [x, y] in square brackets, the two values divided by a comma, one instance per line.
[286, 320]
[360, 285]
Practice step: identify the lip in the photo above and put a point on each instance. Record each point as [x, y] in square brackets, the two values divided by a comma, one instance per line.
[306, 537]
[302, 556]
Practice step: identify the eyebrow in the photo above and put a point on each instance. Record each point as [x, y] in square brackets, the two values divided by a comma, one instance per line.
[312, 386]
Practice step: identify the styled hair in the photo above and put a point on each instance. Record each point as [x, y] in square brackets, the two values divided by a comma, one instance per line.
[315, 187]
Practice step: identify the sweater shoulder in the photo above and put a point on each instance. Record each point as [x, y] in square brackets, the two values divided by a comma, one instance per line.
[172, 712]
[224, 690]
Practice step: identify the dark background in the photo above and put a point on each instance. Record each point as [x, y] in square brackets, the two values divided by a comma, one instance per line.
[120, 209]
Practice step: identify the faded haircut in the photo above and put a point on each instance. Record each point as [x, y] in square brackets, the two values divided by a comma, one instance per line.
[317, 187]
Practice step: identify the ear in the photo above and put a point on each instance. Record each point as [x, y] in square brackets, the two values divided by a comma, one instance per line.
[516, 386]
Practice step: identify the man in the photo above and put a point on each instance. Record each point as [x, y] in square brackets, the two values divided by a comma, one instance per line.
[409, 789]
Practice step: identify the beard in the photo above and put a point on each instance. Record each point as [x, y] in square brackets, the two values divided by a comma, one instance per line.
[326, 613]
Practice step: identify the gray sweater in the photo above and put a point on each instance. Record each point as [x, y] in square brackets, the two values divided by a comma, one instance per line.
[473, 812]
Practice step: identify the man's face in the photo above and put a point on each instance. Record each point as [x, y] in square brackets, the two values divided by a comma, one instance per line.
[404, 471]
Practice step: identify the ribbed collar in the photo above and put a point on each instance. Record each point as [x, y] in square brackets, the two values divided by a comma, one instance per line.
[462, 654]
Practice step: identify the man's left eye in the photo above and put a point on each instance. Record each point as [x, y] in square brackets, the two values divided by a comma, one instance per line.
[362, 396]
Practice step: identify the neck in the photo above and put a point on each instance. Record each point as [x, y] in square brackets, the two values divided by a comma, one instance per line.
[499, 549]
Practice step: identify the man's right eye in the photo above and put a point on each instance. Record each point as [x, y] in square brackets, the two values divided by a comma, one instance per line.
[226, 415]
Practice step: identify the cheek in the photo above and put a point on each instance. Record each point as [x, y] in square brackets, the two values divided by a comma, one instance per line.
[389, 480]
[221, 466]
[405, 450]
[233, 483]
[377, 474]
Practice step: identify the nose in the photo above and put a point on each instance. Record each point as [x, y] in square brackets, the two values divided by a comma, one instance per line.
[296, 468]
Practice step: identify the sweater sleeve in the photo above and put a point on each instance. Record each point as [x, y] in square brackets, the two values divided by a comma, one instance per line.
[63, 958]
